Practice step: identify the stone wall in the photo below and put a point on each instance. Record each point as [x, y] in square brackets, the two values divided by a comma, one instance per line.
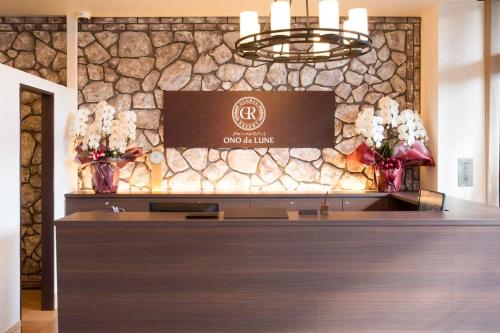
[31, 182]
[36, 45]
[129, 61]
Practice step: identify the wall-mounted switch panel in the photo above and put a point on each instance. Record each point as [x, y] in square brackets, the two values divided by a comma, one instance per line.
[465, 172]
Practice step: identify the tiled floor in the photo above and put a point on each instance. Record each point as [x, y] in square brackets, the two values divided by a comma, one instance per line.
[33, 319]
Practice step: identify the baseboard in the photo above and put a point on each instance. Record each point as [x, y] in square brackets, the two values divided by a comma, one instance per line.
[16, 328]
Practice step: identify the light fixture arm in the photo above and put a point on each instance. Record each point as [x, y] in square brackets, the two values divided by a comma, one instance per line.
[307, 12]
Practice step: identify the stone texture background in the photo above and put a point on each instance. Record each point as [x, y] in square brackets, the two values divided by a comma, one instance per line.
[31, 182]
[129, 61]
[36, 45]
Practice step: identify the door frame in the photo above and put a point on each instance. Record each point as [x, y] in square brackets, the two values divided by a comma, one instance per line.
[47, 196]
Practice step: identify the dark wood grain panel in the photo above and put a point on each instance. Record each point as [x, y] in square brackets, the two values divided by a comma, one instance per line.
[213, 117]
[97, 203]
[396, 204]
[135, 202]
[47, 196]
[372, 204]
[297, 203]
[161, 277]
[132, 204]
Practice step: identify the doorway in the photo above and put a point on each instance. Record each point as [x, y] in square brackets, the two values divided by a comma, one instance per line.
[37, 194]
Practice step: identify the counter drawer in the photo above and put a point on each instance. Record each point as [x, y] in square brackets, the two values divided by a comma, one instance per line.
[142, 205]
[359, 204]
[223, 202]
[296, 203]
[91, 204]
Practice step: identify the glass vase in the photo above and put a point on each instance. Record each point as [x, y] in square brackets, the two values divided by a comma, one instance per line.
[388, 179]
[105, 177]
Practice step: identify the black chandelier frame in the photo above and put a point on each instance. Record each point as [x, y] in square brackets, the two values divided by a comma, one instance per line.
[261, 46]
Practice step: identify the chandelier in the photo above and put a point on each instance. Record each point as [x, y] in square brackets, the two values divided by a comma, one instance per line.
[279, 42]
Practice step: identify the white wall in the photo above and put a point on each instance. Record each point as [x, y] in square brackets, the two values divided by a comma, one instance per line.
[429, 88]
[493, 73]
[10, 80]
[454, 96]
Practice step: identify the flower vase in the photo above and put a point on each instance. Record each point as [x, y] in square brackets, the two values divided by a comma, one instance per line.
[105, 177]
[388, 179]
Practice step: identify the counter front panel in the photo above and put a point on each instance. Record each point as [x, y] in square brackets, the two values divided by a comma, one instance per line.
[347, 272]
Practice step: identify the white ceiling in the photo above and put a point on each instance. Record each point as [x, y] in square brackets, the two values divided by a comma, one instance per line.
[200, 7]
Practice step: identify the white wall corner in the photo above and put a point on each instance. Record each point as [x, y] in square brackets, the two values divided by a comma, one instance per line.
[64, 178]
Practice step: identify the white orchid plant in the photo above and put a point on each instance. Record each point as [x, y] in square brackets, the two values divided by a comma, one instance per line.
[107, 136]
[393, 139]
[386, 127]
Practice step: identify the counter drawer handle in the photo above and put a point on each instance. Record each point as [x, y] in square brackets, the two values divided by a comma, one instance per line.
[292, 203]
[106, 203]
[347, 202]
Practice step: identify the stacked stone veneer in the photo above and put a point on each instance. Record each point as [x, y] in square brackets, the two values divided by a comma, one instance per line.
[31, 183]
[129, 61]
[36, 45]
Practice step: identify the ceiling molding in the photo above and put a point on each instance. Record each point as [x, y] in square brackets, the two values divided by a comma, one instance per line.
[165, 8]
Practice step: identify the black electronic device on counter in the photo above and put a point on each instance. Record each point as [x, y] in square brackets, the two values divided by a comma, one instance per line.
[308, 212]
[202, 215]
[192, 207]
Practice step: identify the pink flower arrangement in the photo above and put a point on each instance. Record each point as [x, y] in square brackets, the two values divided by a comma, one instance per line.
[393, 139]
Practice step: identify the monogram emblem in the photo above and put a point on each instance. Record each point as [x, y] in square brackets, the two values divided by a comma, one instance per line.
[249, 113]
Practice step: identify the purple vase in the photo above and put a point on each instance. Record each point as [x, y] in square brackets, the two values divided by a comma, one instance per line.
[389, 180]
[105, 177]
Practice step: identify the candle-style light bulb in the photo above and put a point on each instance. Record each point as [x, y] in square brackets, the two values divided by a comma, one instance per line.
[348, 27]
[328, 19]
[358, 20]
[249, 24]
[280, 20]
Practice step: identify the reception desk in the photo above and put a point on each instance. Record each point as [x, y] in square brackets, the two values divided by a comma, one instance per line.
[350, 271]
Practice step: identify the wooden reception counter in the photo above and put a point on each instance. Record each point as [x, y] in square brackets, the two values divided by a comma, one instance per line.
[351, 271]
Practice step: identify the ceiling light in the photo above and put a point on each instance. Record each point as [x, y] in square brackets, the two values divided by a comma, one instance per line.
[279, 42]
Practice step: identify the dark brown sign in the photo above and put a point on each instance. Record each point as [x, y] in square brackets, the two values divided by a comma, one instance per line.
[249, 119]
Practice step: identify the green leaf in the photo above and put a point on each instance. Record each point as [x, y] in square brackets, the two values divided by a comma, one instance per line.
[386, 150]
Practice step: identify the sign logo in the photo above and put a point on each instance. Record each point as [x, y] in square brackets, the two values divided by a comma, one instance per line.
[249, 113]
